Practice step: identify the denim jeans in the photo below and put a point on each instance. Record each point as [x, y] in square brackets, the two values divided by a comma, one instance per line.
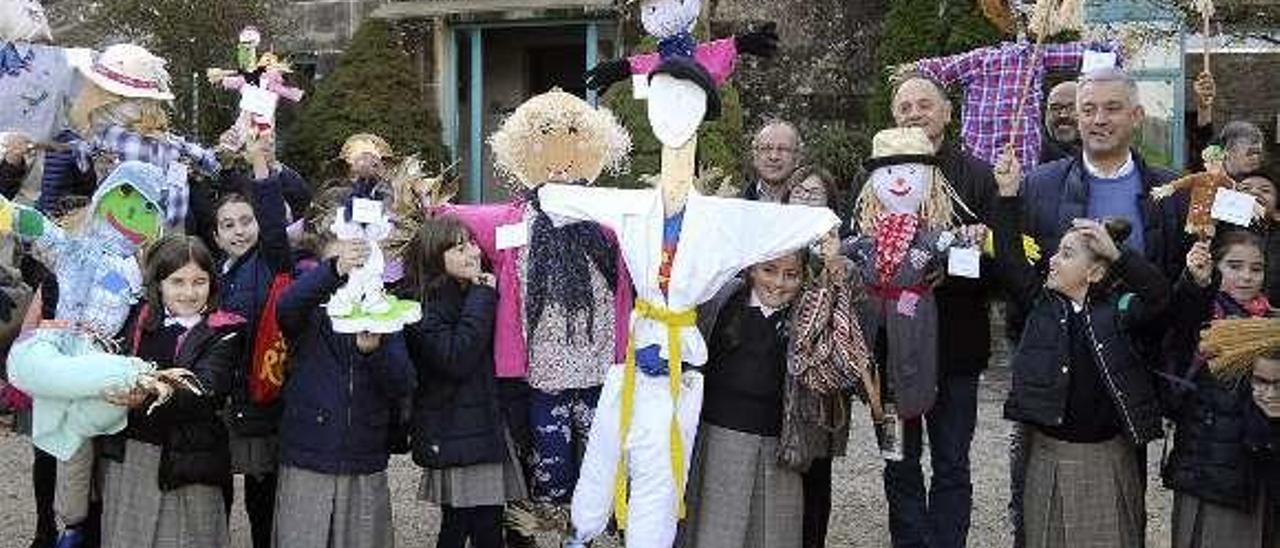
[940, 518]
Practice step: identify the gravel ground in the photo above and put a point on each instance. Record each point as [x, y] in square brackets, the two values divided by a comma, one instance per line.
[858, 519]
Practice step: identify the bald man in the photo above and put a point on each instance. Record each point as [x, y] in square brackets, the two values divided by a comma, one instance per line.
[1061, 133]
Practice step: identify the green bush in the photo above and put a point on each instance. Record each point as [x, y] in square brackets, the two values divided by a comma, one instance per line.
[374, 89]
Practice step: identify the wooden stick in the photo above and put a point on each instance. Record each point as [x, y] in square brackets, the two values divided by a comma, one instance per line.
[1023, 94]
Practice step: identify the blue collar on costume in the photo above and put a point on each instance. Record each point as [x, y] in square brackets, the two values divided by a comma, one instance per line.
[679, 45]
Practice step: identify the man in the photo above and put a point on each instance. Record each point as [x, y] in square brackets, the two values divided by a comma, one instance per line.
[1244, 144]
[940, 518]
[1106, 178]
[1062, 136]
[775, 154]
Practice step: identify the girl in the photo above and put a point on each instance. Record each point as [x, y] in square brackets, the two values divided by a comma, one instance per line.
[744, 495]
[1216, 501]
[816, 426]
[164, 471]
[1090, 406]
[458, 433]
[338, 402]
[256, 263]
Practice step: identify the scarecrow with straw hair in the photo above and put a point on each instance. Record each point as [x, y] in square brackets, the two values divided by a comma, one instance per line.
[904, 218]
[563, 291]
[1204, 188]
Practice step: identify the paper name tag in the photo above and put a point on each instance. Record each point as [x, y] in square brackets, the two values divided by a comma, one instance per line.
[1234, 207]
[964, 262]
[258, 101]
[364, 210]
[1094, 60]
[640, 86]
[512, 236]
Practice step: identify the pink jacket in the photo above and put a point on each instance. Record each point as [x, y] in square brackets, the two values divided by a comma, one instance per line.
[510, 355]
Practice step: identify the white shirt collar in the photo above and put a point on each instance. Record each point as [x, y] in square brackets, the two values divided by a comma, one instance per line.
[187, 322]
[764, 310]
[1125, 169]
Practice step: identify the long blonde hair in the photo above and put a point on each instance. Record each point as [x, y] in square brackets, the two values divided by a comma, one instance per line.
[938, 212]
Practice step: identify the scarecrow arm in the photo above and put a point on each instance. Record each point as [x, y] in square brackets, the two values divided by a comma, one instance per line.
[1185, 183]
[228, 79]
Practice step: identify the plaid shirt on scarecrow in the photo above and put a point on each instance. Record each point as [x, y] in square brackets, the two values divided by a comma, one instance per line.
[992, 79]
[162, 152]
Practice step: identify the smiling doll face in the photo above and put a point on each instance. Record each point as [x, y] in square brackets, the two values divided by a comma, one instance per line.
[901, 188]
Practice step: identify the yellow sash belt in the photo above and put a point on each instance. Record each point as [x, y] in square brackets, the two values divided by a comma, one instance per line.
[675, 320]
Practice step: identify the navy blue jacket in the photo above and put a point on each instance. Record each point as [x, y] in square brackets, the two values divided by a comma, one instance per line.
[338, 403]
[1211, 457]
[456, 420]
[1056, 193]
[1041, 374]
[244, 289]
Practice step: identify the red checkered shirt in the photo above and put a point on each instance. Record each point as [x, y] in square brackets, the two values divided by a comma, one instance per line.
[992, 78]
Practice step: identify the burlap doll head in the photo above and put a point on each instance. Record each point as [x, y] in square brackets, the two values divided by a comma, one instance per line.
[557, 137]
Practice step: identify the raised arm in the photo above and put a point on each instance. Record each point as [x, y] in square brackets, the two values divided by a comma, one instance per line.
[269, 209]
[304, 297]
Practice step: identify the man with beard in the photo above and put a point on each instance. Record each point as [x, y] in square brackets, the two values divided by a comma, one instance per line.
[1062, 136]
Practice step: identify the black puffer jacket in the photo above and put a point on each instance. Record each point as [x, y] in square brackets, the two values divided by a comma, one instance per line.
[1040, 378]
[1210, 457]
[456, 419]
[188, 428]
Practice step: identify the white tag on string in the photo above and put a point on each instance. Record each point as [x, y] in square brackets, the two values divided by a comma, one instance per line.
[364, 210]
[512, 236]
[258, 101]
[640, 86]
[1094, 60]
[1234, 207]
[964, 262]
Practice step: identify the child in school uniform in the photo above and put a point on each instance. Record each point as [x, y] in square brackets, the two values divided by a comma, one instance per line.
[256, 264]
[742, 493]
[1217, 502]
[1090, 404]
[458, 433]
[163, 474]
[339, 400]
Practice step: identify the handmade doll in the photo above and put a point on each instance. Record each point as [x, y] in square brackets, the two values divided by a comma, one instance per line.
[672, 22]
[680, 249]
[68, 365]
[903, 217]
[362, 303]
[563, 292]
[265, 74]
[1003, 84]
[1204, 188]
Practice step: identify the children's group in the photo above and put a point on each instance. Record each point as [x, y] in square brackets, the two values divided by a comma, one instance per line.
[677, 363]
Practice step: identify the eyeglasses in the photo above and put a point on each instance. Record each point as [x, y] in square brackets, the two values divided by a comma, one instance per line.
[769, 149]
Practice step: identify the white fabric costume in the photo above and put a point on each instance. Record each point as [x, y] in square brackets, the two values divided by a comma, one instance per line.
[364, 285]
[718, 239]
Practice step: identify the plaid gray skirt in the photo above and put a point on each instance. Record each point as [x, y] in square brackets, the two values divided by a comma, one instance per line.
[315, 510]
[137, 514]
[740, 496]
[1082, 495]
[1198, 523]
[254, 456]
[488, 484]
